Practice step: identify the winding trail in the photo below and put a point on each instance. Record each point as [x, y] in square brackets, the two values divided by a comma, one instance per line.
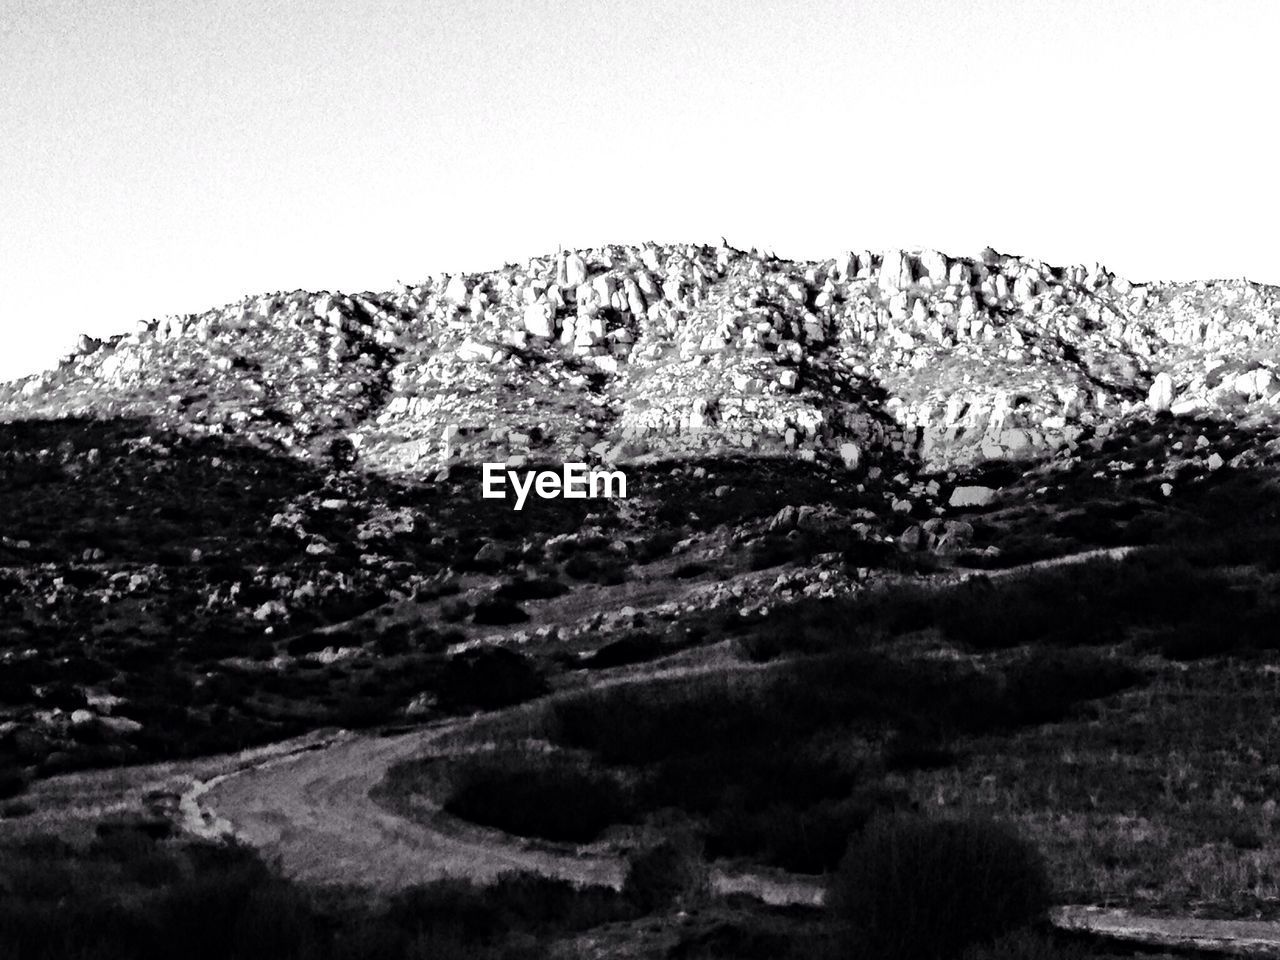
[313, 810]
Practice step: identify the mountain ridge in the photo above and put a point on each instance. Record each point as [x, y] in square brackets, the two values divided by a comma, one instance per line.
[624, 352]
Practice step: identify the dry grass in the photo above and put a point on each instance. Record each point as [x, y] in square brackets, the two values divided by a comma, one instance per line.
[1164, 799]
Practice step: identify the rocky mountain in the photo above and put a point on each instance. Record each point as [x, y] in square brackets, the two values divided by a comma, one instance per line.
[625, 353]
[232, 527]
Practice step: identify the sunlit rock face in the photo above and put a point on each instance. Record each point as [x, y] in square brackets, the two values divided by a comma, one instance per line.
[665, 350]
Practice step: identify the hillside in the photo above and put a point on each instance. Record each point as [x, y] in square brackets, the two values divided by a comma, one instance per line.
[903, 532]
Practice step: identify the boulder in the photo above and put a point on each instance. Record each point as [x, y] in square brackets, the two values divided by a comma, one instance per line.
[785, 519]
[575, 270]
[1253, 383]
[972, 496]
[539, 319]
[895, 271]
[850, 455]
[934, 266]
[914, 538]
[457, 291]
[1160, 396]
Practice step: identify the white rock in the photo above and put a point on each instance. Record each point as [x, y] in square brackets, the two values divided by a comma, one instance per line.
[604, 288]
[474, 350]
[120, 724]
[1254, 383]
[934, 265]
[575, 270]
[971, 496]
[539, 319]
[635, 299]
[457, 290]
[850, 454]
[895, 271]
[1160, 396]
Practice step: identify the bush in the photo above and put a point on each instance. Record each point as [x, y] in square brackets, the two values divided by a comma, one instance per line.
[669, 873]
[914, 889]
[489, 678]
[580, 567]
[1045, 687]
[471, 916]
[637, 648]
[498, 612]
[687, 571]
[549, 796]
[12, 782]
[1028, 945]
[16, 809]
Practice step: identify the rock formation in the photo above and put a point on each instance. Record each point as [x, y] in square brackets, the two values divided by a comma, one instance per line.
[623, 352]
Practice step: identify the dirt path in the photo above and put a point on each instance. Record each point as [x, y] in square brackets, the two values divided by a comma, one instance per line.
[314, 812]
[313, 808]
[1069, 560]
[1259, 938]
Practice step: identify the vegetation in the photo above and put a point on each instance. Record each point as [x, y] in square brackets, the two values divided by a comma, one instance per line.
[914, 889]
[538, 795]
[778, 767]
[128, 896]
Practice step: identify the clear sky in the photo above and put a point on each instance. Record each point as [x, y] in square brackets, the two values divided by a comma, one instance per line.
[165, 156]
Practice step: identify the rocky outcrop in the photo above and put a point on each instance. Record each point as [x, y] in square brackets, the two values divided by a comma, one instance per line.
[623, 352]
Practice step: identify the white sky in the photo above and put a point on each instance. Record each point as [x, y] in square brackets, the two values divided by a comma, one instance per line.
[165, 156]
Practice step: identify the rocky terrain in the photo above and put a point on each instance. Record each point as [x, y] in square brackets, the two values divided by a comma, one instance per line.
[238, 485]
[263, 522]
[620, 353]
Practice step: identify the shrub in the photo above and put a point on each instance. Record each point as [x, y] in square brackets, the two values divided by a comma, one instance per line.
[636, 648]
[1045, 687]
[469, 916]
[489, 678]
[538, 795]
[1029, 945]
[669, 873]
[12, 782]
[914, 889]
[687, 571]
[580, 567]
[806, 839]
[657, 546]
[16, 809]
[498, 612]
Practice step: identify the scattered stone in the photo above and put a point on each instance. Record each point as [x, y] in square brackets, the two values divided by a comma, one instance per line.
[850, 455]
